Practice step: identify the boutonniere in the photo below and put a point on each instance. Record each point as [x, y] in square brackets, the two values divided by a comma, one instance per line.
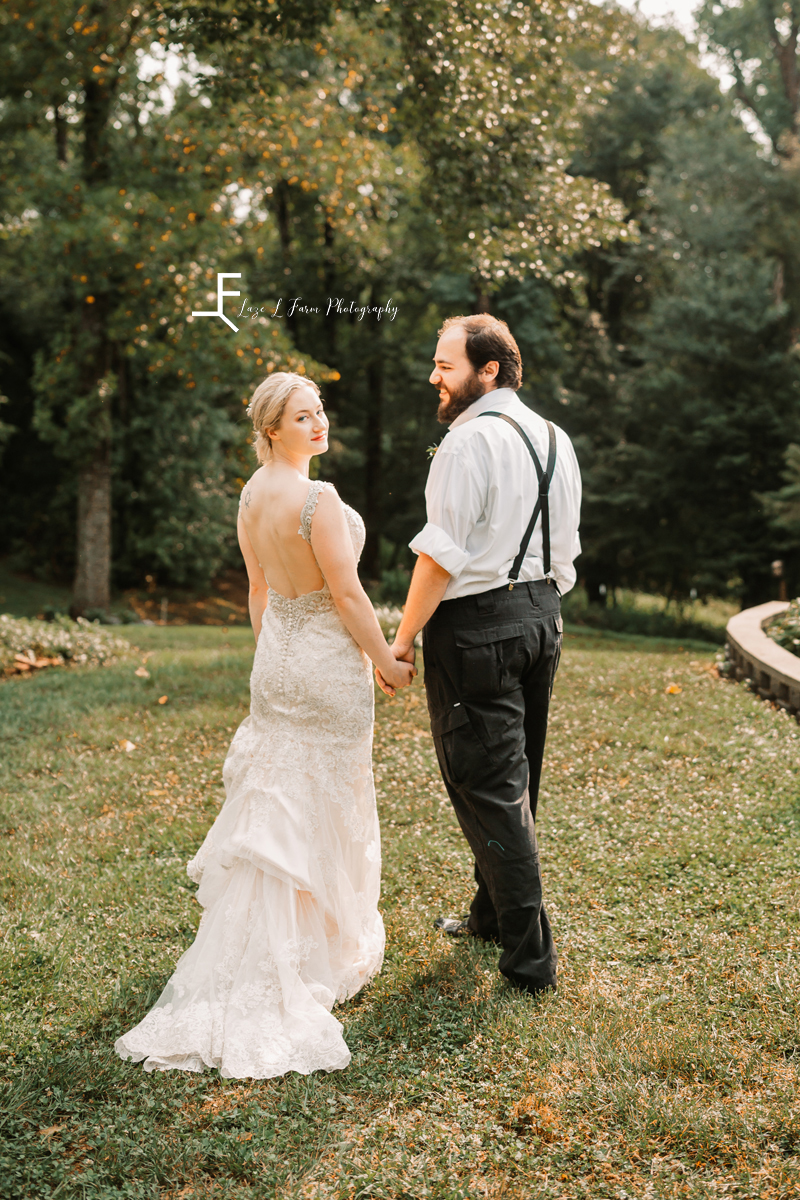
[434, 446]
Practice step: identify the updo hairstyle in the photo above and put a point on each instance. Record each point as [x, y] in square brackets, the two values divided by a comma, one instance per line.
[267, 407]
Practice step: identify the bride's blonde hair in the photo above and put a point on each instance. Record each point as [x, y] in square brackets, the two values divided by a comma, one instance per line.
[267, 406]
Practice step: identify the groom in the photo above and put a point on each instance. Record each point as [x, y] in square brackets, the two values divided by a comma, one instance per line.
[503, 502]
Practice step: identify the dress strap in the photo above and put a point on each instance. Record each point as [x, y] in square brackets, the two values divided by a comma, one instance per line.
[315, 488]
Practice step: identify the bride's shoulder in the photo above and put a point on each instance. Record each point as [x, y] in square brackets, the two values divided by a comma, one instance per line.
[322, 497]
[322, 504]
[250, 490]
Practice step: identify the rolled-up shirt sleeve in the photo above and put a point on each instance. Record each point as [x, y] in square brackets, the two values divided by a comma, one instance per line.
[434, 541]
[455, 496]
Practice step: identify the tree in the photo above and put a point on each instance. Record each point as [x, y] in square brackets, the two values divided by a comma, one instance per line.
[758, 41]
[782, 506]
[344, 156]
[117, 204]
[678, 378]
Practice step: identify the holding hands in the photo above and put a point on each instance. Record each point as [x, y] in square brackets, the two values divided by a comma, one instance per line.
[399, 673]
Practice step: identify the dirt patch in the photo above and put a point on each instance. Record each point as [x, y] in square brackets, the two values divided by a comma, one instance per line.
[224, 604]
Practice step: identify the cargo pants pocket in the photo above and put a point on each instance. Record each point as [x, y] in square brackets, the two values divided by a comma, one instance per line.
[462, 756]
[489, 657]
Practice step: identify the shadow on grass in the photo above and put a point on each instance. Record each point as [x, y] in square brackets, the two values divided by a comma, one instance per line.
[437, 1010]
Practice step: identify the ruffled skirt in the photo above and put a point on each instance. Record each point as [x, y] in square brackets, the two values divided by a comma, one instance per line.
[289, 873]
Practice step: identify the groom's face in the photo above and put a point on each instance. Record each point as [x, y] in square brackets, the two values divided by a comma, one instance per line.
[454, 376]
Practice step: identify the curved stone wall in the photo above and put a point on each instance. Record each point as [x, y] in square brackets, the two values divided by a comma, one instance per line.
[773, 671]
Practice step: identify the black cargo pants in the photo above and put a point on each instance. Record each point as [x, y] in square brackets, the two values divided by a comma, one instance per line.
[490, 661]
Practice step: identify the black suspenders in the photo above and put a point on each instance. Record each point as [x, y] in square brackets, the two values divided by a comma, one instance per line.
[542, 501]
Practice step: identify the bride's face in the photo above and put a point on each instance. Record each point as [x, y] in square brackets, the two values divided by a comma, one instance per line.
[303, 430]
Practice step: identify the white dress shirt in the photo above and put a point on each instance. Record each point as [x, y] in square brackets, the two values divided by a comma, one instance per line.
[481, 491]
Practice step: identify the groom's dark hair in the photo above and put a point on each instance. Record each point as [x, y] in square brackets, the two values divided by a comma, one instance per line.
[490, 340]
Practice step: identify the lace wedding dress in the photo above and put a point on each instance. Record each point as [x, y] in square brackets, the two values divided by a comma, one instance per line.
[289, 873]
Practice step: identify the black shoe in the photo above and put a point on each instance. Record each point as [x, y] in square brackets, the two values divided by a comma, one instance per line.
[453, 926]
[532, 991]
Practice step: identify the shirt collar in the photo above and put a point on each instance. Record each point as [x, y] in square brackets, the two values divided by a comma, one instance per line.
[500, 398]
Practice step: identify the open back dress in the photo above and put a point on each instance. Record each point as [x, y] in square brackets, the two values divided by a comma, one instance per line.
[289, 873]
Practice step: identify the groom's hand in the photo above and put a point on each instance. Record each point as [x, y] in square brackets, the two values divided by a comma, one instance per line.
[404, 652]
[400, 678]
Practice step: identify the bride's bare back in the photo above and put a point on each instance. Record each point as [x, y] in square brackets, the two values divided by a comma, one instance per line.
[277, 554]
[271, 504]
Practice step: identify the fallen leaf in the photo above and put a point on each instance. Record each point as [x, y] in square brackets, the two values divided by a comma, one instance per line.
[673, 689]
[126, 745]
[142, 672]
[162, 699]
[50, 1130]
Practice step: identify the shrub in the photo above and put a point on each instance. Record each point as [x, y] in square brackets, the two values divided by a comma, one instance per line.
[784, 628]
[62, 642]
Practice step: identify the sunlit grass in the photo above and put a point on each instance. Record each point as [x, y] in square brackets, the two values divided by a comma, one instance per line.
[667, 1065]
[641, 613]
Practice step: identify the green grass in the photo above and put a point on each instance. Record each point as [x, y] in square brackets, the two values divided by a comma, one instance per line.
[652, 616]
[666, 1066]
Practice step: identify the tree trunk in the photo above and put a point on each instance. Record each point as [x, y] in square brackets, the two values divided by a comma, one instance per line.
[331, 322]
[92, 587]
[481, 303]
[373, 438]
[61, 134]
[283, 221]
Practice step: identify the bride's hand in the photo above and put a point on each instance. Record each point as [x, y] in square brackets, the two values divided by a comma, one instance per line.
[399, 675]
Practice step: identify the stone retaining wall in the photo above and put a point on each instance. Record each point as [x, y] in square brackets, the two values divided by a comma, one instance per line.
[772, 671]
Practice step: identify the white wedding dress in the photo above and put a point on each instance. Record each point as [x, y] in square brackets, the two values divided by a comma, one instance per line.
[289, 872]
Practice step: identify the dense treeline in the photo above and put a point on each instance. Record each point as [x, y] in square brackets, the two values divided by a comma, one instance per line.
[384, 166]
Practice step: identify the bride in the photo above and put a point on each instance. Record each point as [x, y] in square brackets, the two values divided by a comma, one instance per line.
[289, 872]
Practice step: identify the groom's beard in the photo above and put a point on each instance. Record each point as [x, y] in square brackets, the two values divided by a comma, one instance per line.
[460, 399]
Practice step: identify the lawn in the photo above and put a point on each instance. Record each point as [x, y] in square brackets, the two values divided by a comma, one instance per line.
[666, 1066]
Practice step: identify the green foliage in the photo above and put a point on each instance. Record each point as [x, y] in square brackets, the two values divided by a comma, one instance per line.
[785, 628]
[628, 614]
[439, 157]
[298, 148]
[703, 429]
[757, 40]
[494, 97]
[139, 219]
[783, 504]
[682, 387]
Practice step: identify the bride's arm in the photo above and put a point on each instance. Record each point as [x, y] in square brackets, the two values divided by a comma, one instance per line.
[257, 595]
[333, 549]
